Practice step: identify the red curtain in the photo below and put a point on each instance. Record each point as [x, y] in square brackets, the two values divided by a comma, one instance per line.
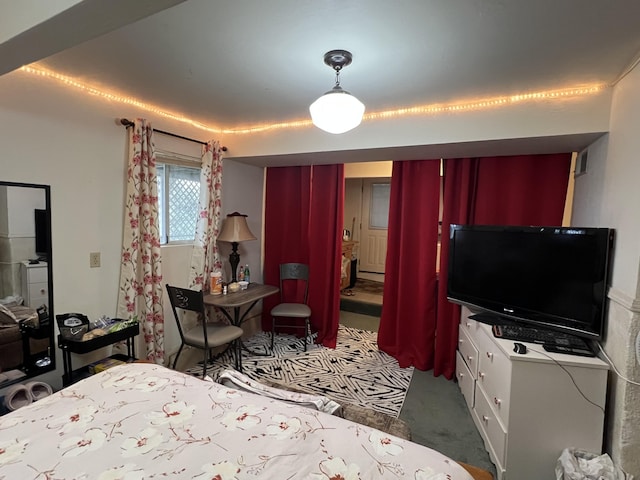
[325, 243]
[408, 320]
[459, 195]
[520, 190]
[303, 212]
[286, 222]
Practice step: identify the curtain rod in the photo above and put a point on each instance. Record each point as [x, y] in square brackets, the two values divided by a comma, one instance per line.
[128, 123]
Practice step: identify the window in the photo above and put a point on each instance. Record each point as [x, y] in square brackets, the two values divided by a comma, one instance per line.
[379, 207]
[178, 200]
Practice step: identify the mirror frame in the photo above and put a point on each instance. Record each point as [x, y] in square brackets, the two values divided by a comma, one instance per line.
[52, 353]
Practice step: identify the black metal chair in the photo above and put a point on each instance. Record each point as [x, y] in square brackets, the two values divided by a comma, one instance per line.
[292, 312]
[201, 334]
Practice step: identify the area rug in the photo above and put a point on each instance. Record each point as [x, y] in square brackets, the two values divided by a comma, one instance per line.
[355, 371]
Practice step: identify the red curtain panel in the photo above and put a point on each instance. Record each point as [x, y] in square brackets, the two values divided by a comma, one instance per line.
[408, 320]
[325, 245]
[286, 226]
[303, 223]
[459, 194]
[522, 190]
[516, 190]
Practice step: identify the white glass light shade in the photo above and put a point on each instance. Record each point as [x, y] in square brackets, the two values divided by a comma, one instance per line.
[337, 111]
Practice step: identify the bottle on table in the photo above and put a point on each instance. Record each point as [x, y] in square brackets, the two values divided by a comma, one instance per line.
[247, 274]
[241, 274]
[216, 283]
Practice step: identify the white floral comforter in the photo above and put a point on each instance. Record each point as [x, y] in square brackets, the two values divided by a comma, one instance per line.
[142, 421]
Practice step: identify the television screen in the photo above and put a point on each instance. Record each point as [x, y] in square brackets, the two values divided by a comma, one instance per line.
[42, 233]
[554, 277]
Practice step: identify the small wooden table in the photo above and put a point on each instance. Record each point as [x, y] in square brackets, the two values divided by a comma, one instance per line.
[231, 303]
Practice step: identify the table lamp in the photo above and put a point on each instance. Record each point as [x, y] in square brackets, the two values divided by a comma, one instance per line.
[235, 230]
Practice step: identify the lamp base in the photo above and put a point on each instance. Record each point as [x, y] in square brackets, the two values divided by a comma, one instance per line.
[234, 260]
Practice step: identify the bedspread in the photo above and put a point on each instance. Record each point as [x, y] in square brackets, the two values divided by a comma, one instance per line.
[140, 421]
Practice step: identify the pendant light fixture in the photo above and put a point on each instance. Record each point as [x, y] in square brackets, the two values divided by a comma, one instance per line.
[337, 111]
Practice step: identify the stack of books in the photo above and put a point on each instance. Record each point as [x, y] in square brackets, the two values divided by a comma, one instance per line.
[104, 364]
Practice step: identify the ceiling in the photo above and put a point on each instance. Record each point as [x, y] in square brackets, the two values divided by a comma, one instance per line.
[236, 64]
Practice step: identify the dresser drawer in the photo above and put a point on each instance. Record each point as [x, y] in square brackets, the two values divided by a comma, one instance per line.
[468, 325]
[466, 381]
[494, 375]
[37, 274]
[492, 430]
[468, 351]
[38, 290]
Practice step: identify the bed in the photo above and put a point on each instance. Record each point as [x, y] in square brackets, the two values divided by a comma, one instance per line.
[141, 420]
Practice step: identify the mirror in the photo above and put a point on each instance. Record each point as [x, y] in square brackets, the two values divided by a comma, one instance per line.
[26, 286]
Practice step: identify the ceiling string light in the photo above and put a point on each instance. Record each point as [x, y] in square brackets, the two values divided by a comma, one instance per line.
[560, 94]
[337, 111]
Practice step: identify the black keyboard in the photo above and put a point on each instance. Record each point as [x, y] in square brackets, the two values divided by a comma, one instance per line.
[551, 341]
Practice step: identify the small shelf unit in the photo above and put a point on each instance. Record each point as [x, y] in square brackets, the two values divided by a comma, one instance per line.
[78, 347]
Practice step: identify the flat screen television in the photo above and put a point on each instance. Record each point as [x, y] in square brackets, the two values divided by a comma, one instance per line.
[550, 277]
[42, 233]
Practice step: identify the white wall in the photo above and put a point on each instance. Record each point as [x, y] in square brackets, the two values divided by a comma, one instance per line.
[20, 16]
[608, 196]
[51, 135]
[526, 120]
[21, 203]
[368, 169]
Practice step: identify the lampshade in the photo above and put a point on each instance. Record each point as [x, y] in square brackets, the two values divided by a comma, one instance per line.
[337, 111]
[235, 229]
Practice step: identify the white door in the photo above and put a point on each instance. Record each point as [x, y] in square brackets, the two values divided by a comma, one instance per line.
[375, 220]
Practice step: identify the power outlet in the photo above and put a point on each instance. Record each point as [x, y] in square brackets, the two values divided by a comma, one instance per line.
[94, 259]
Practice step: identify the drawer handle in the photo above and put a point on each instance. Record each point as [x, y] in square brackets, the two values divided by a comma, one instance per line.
[42, 291]
[485, 419]
[460, 341]
[469, 357]
[481, 375]
[468, 325]
[497, 401]
[461, 375]
[489, 355]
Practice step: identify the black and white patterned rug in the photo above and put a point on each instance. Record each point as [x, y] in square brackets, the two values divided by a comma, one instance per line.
[355, 372]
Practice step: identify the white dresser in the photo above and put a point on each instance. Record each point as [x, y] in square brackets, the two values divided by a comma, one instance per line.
[35, 284]
[526, 407]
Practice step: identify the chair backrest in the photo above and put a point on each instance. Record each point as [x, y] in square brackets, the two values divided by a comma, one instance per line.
[186, 300]
[298, 272]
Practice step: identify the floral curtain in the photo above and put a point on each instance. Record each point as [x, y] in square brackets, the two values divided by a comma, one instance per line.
[206, 257]
[140, 292]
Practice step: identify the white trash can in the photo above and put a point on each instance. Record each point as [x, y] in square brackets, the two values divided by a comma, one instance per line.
[575, 464]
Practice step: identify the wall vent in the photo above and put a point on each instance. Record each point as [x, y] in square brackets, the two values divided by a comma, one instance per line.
[581, 163]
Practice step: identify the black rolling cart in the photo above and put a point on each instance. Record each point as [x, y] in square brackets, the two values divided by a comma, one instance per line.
[78, 347]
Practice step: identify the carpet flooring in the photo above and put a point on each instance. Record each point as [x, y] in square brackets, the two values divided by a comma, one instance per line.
[435, 409]
[365, 298]
[363, 285]
[355, 372]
